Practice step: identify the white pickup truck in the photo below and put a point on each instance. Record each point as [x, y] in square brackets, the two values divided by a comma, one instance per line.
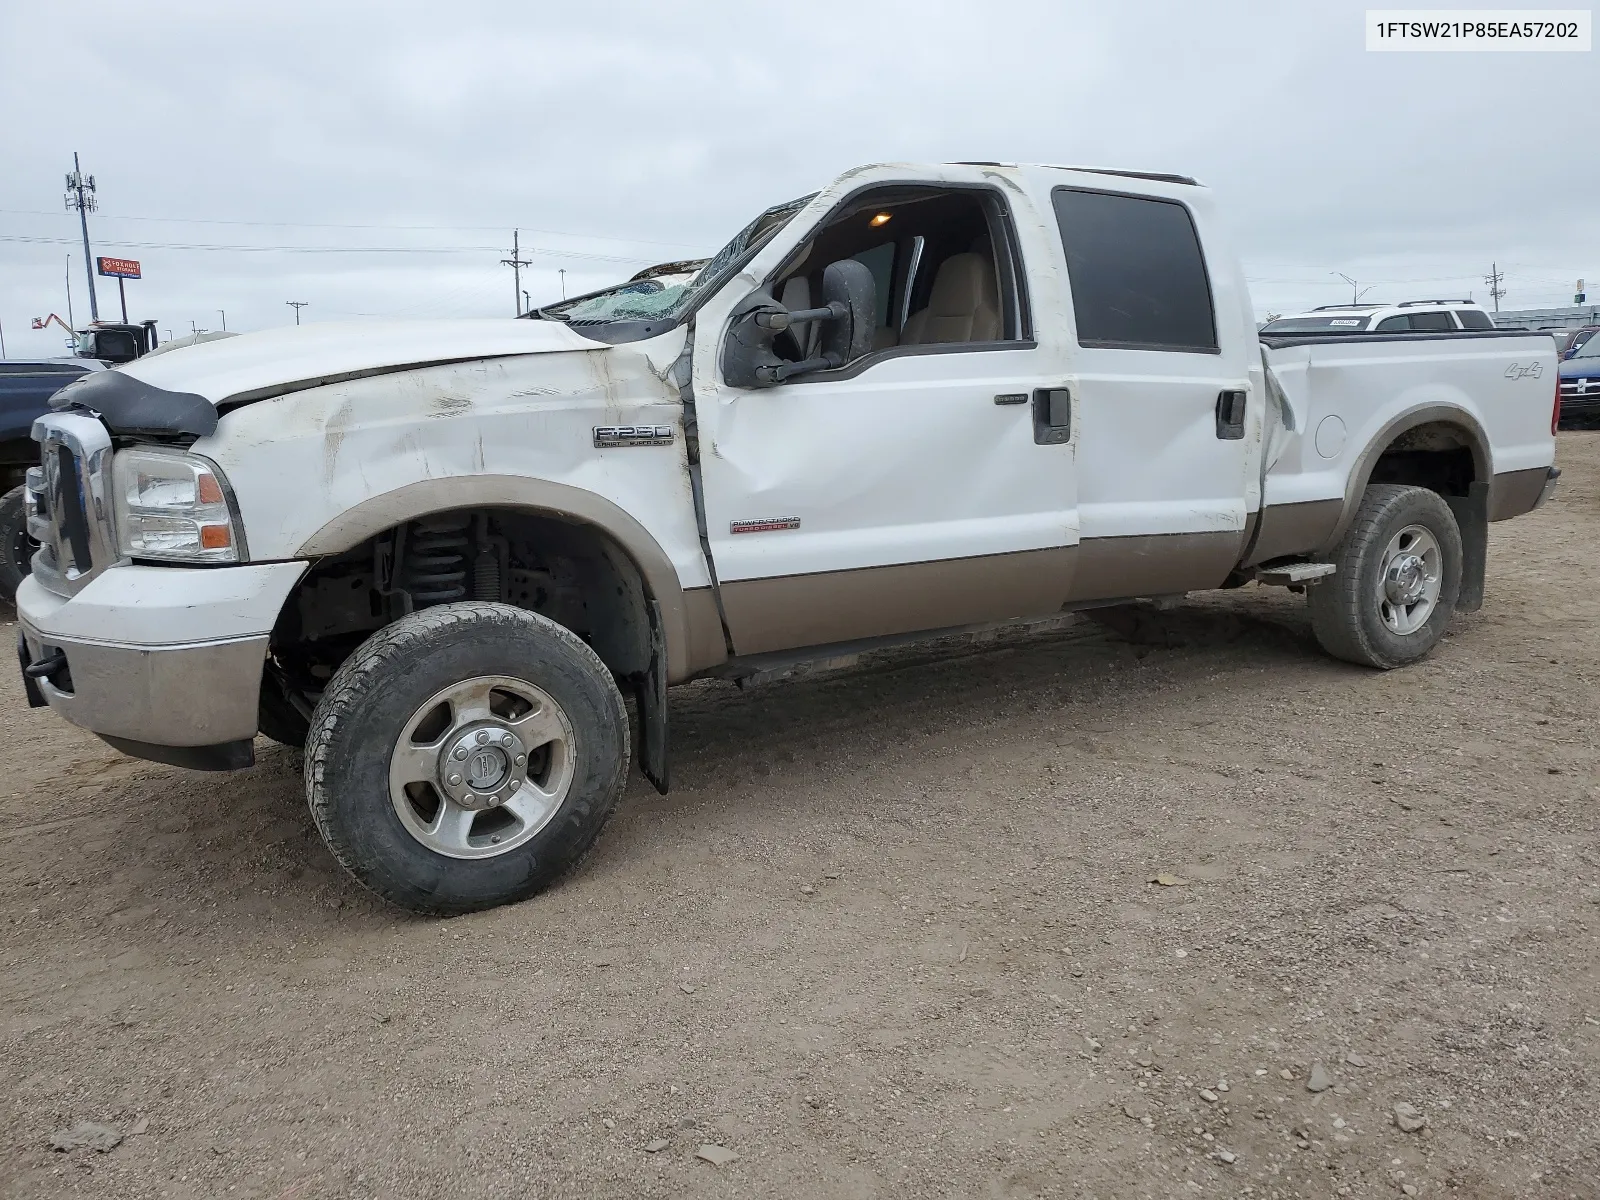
[921, 399]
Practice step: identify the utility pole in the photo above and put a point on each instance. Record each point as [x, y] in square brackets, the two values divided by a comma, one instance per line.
[1355, 295]
[516, 262]
[223, 314]
[563, 273]
[80, 195]
[1493, 279]
[2, 341]
[297, 305]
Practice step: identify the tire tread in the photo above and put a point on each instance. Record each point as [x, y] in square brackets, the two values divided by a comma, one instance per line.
[380, 658]
[1336, 605]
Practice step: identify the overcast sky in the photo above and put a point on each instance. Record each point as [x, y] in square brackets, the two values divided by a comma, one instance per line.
[372, 158]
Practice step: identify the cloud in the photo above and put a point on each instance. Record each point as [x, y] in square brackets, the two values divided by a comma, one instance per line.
[632, 132]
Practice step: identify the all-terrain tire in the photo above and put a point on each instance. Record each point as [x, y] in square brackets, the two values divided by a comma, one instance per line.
[16, 547]
[1346, 607]
[381, 687]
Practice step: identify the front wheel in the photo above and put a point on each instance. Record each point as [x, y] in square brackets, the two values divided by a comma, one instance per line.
[1399, 572]
[16, 547]
[465, 756]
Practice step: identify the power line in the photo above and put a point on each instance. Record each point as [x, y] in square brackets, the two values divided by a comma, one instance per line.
[40, 240]
[30, 212]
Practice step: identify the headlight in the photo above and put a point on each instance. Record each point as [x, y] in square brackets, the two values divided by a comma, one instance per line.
[173, 506]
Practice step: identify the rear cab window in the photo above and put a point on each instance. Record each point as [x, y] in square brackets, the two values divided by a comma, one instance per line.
[1433, 322]
[1472, 318]
[1137, 272]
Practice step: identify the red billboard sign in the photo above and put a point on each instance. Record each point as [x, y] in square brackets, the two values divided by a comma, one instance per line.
[119, 268]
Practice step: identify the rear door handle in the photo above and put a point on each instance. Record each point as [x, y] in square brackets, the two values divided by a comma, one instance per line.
[1052, 416]
[1230, 415]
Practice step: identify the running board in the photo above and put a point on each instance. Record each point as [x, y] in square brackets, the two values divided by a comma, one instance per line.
[757, 669]
[1294, 574]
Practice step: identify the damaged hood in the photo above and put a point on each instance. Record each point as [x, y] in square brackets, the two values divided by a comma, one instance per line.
[179, 393]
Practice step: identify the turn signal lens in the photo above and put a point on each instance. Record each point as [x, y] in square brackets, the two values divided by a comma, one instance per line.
[173, 507]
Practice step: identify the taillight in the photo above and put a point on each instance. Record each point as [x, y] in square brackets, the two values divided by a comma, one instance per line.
[1555, 409]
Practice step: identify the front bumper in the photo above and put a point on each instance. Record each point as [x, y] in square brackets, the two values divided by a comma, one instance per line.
[156, 658]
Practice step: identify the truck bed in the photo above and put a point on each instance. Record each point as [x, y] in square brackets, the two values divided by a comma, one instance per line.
[1333, 398]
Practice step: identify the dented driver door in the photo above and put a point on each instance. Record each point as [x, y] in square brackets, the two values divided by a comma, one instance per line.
[920, 488]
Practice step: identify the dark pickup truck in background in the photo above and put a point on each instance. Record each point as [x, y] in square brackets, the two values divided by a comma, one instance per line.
[26, 386]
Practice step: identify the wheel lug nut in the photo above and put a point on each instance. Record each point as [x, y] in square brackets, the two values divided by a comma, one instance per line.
[483, 736]
[522, 760]
[461, 751]
[455, 781]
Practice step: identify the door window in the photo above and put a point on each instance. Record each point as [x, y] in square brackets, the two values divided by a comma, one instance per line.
[880, 261]
[1138, 276]
[1472, 318]
[942, 264]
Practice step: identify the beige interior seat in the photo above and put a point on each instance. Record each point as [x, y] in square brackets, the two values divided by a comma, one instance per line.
[797, 295]
[963, 306]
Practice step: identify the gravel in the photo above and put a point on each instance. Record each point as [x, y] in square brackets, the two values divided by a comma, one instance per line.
[180, 945]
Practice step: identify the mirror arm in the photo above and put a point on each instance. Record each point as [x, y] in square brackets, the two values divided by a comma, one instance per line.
[782, 371]
[773, 319]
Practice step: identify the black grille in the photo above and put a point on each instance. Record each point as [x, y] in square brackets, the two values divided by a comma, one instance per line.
[67, 505]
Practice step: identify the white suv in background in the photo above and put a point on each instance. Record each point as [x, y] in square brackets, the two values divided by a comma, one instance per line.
[1412, 316]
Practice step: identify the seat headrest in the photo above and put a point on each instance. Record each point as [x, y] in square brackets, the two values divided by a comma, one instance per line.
[965, 282]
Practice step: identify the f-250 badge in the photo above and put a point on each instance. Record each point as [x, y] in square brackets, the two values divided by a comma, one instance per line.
[1518, 371]
[609, 436]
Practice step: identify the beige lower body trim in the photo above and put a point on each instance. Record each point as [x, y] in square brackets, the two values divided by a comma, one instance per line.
[841, 606]
[704, 645]
[1294, 528]
[1516, 492]
[1110, 568]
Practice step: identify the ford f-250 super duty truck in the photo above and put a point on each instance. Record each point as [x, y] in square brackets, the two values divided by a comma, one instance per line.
[920, 399]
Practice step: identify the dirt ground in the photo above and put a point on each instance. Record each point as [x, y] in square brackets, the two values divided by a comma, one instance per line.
[892, 935]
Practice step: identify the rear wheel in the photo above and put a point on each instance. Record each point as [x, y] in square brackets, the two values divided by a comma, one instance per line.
[1399, 572]
[16, 547]
[465, 756]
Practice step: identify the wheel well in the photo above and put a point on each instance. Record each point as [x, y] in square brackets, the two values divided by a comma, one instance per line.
[573, 573]
[1439, 456]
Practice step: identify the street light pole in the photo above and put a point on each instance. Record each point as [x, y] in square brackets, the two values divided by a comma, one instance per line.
[80, 195]
[223, 314]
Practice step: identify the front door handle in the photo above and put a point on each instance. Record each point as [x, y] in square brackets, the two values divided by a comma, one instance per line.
[1052, 416]
[1230, 415]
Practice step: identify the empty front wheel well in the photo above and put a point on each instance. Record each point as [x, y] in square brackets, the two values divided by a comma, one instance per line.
[571, 572]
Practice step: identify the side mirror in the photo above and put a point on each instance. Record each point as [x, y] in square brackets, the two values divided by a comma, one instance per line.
[848, 315]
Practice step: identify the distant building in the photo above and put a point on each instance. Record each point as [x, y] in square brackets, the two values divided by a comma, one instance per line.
[1548, 318]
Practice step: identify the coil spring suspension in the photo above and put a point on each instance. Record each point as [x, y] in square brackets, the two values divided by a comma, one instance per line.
[435, 564]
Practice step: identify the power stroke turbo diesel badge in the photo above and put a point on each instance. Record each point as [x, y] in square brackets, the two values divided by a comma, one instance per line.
[608, 436]
[764, 525]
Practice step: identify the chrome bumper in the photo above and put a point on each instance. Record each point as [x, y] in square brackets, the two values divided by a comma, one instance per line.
[200, 694]
[164, 663]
